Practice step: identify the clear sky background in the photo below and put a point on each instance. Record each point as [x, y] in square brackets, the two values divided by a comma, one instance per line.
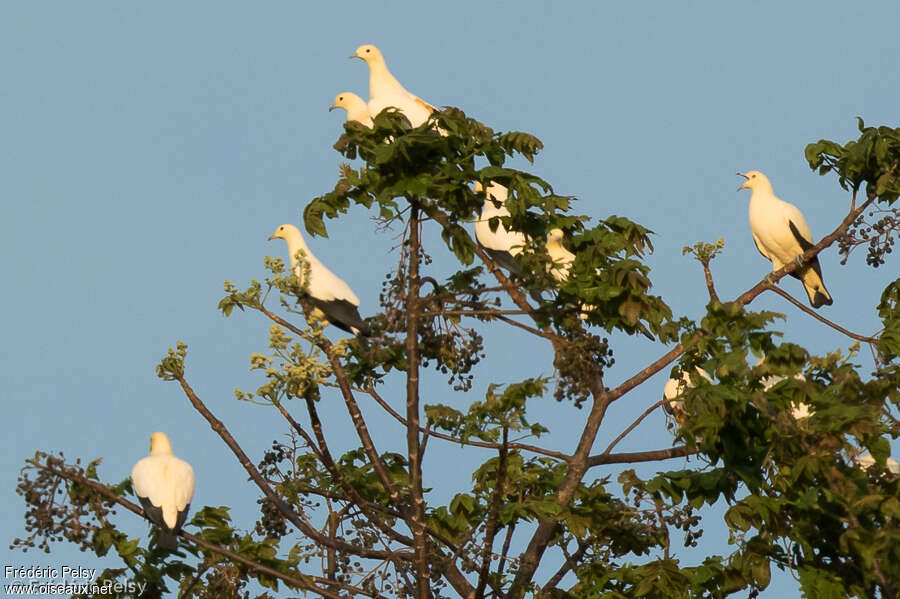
[148, 150]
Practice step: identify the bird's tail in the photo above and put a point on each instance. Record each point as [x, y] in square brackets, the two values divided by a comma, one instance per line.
[815, 287]
[166, 538]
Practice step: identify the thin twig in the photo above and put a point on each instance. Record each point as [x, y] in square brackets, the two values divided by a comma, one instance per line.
[367, 507]
[819, 317]
[486, 444]
[646, 413]
[710, 286]
[356, 416]
[571, 562]
[510, 529]
[286, 510]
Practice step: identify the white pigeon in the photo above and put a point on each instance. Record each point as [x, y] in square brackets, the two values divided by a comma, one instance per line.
[501, 245]
[164, 485]
[781, 235]
[673, 390]
[867, 461]
[356, 108]
[562, 263]
[561, 257]
[385, 91]
[327, 292]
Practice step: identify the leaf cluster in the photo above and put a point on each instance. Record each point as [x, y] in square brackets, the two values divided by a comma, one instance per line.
[873, 159]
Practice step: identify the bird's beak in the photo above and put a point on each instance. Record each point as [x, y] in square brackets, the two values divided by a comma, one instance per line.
[354, 55]
[271, 237]
[744, 186]
[332, 108]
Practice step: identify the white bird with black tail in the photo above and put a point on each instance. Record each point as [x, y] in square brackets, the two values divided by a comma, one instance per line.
[501, 245]
[781, 235]
[164, 485]
[562, 263]
[356, 108]
[561, 257]
[385, 91]
[326, 291]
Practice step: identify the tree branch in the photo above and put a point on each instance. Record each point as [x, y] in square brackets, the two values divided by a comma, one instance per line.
[510, 529]
[490, 529]
[417, 518]
[819, 317]
[300, 581]
[352, 407]
[710, 286]
[577, 466]
[367, 507]
[486, 444]
[571, 562]
[282, 506]
[637, 421]
[642, 456]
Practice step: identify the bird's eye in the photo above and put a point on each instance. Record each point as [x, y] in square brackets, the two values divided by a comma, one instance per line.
[341, 99]
[368, 50]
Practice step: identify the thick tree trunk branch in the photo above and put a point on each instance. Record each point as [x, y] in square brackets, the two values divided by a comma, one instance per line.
[571, 562]
[490, 528]
[642, 456]
[578, 465]
[417, 518]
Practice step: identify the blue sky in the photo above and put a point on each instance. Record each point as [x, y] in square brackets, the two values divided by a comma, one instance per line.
[149, 150]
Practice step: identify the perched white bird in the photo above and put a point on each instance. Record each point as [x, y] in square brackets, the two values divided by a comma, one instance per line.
[673, 390]
[501, 245]
[867, 461]
[356, 108]
[327, 292]
[164, 485]
[385, 91]
[562, 263]
[561, 257]
[781, 235]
